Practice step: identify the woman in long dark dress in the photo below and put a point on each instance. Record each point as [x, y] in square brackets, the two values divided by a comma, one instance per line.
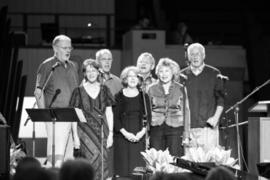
[95, 100]
[129, 129]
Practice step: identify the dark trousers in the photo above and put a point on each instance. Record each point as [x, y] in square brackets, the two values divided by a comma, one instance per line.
[164, 136]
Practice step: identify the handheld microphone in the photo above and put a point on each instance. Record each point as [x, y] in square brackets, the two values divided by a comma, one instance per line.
[57, 92]
[55, 66]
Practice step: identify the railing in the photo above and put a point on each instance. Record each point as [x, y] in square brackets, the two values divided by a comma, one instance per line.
[82, 28]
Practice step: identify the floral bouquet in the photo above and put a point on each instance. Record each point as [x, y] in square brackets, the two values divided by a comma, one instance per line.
[217, 155]
[16, 154]
[160, 161]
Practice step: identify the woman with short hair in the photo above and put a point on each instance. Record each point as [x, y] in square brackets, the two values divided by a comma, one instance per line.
[96, 102]
[168, 109]
[129, 127]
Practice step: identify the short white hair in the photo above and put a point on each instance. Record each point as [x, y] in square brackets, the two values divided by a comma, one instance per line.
[101, 52]
[147, 55]
[60, 37]
[198, 46]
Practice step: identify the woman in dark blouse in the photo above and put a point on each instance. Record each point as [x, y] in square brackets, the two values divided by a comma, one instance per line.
[129, 129]
[96, 102]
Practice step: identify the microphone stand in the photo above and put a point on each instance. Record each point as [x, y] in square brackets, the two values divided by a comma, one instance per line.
[28, 118]
[186, 136]
[33, 132]
[42, 90]
[236, 109]
[53, 136]
[100, 114]
[53, 125]
[57, 92]
[145, 117]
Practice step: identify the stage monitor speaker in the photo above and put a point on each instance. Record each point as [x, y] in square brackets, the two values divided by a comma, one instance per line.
[4, 151]
[264, 169]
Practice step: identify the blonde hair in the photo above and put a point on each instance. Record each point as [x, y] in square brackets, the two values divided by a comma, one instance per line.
[167, 62]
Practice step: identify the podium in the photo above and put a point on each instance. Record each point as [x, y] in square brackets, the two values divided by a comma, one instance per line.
[55, 115]
[4, 151]
[261, 107]
[258, 136]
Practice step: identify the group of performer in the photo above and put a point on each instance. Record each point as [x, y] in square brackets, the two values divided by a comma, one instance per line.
[178, 109]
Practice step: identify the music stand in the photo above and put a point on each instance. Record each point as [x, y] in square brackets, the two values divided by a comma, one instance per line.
[56, 115]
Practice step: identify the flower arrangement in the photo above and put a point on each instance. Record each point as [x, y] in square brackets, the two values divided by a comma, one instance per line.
[16, 154]
[160, 161]
[217, 155]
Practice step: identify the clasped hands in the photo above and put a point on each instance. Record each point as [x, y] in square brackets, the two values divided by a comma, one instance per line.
[132, 137]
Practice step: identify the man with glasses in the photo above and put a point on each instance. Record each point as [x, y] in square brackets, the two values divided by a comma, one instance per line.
[206, 96]
[57, 76]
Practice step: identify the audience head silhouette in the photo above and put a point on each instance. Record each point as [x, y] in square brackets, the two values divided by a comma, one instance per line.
[77, 169]
[171, 176]
[26, 163]
[32, 173]
[220, 173]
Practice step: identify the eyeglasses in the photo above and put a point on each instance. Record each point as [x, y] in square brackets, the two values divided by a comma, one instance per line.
[105, 59]
[194, 54]
[66, 48]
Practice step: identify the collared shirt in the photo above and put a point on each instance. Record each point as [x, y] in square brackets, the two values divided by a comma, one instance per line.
[166, 108]
[197, 71]
[64, 77]
[147, 81]
[112, 82]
